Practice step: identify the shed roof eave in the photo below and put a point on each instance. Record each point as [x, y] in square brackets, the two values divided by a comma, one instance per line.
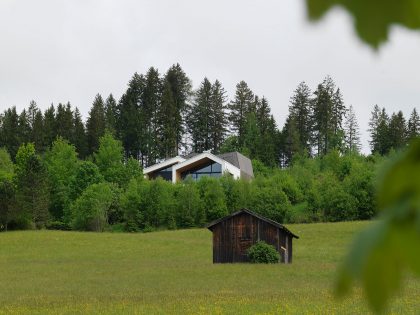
[213, 223]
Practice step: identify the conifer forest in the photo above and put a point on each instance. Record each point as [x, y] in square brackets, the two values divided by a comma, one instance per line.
[59, 170]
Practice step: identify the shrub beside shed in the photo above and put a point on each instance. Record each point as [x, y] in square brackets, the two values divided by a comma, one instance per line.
[235, 233]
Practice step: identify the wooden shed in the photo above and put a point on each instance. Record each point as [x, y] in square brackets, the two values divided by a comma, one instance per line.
[235, 233]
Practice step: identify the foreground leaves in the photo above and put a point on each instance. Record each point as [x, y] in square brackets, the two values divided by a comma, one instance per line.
[372, 18]
[381, 254]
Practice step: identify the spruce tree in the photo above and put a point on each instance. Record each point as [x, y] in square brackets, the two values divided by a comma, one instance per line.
[239, 108]
[111, 114]
[352, 132]
[10, 131]
[95, 126]
[218, 116]
[180, 86]
[50, 126]
[167, 124]
[131, 123]
[199, 119]
[373, 128]
[24, 129]
[64, 121]
[397, 130]
[413, 126]
[151, 104]
[38, 132]
[79, 138]
[300, 111]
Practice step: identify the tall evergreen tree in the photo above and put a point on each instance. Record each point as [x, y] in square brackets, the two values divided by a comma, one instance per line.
[38, 132]
[328, 112]
[32, 111]
[10, 131]
[289, 141]
[151, 104]
[111, 112]
[95, 126]
[397, 130]
[50, 126]
[413, 126]
[199, 120]
[24, 129]
[180, 86]
[352, 132]
[79, 138]
[239, 108]
[384, 143]
[218, 118]
[167, 124]
[64, 121]
[130, 124]
[300, 111]
[373, 128]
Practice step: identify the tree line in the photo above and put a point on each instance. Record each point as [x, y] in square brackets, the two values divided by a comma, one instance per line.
[160, 116]
[57, 190]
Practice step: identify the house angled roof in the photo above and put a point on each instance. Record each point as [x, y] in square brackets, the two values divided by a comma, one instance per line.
[164, 164]
[201, 156]
[276, 224]
[240, 161]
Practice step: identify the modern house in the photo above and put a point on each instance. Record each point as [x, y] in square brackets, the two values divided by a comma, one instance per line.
[198, 165]
[235, 233]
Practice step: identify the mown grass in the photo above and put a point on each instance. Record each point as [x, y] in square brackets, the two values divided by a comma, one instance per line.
[51, 272]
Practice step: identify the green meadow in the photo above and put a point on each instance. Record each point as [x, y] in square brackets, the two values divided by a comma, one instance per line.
[171, 272]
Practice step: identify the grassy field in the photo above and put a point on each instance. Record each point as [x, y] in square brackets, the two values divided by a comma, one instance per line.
[51, 272]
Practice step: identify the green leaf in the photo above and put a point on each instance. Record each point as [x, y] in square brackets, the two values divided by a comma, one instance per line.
[372, 18]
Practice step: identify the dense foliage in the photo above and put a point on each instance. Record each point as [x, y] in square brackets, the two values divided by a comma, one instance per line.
[58, 190]
[263, 253]
[58, 172]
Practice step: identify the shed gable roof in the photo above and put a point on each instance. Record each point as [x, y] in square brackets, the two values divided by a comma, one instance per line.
[274, 223]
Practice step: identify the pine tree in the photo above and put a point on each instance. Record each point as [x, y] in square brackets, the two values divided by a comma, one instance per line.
[352, 132]
[328, 112]
[373, 128]
[413, 126]
[384, 143]
[180, 86]
[151, 104]
[167, 124]
[32, 111]
[10, 131]
[111, 114]
[239, 108]
[300, 110]
[79, 138]
[95, 126]
[131, 124]
[199, 120]
[24, 130]
[38, 132]
[290, 141]
[397, 130]
[64, 121]
[218, 118]
[50, 126]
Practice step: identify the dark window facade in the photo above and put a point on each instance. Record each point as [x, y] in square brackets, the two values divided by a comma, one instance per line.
[211, 169]
[166, 174]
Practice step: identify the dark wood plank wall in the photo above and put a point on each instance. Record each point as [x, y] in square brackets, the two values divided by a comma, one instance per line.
[232, 238]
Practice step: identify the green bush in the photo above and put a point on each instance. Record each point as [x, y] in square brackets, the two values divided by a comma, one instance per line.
[263, 253]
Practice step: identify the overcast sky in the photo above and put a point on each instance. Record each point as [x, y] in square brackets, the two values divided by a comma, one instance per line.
[57, 51]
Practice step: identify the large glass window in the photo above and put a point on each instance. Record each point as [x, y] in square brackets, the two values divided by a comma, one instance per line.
[166, 174]
[210, 169]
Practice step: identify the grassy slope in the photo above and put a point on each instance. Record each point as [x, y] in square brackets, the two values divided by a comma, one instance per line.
[172, 272]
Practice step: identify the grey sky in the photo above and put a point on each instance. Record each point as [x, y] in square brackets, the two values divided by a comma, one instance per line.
[59, 51]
